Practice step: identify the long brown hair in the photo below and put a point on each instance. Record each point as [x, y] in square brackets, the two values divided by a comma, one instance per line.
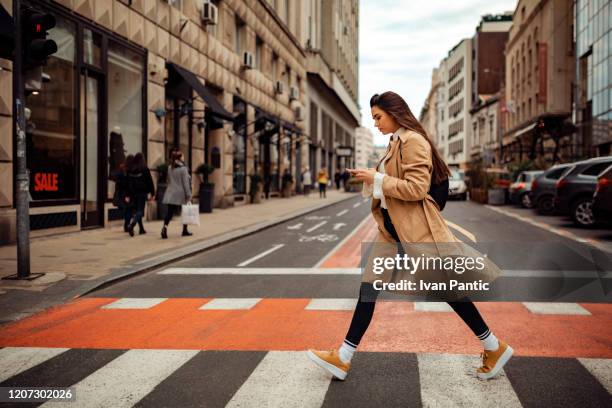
[395, 106]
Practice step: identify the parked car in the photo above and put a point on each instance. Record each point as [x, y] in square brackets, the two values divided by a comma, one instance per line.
[602, 199]
[457, 186]
[501, 177]
[542, 193]
[575, 189]
[520, 189]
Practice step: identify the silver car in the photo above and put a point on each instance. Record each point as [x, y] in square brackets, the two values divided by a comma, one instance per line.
[456, 185]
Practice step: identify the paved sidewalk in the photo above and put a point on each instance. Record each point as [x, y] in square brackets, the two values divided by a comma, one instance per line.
[76, 262]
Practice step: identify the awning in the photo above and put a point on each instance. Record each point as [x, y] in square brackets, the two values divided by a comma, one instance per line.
[210, 100]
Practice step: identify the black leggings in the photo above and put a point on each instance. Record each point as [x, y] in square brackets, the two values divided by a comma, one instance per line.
[172, 209]
[367, 302]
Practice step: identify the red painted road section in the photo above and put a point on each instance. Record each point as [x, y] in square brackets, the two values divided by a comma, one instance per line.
[284, 324]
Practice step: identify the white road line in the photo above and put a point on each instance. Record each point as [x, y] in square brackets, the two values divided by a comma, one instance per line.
[331, 304]
[256, 257]
[294, 227]
[127, 379]
[341, 213]
[260, 271]
[356, 205]
[365, 200]
[552, 229]
[316, 226]
[15, 360]
[432, 307]
[134, 303]
[338, 225]
[449, 380]
[346, 238]
[462, 230]
[551, 308]
[601, 369]
[230, 304]
[283, 379]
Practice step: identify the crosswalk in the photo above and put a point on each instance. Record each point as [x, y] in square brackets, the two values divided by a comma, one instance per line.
[209, 378]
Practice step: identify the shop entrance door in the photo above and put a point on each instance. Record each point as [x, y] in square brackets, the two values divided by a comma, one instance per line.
[91, 197]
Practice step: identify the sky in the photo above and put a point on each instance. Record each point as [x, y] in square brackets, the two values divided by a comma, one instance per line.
[401, 41]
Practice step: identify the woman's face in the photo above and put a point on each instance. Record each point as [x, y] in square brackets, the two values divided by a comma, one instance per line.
[383, 121]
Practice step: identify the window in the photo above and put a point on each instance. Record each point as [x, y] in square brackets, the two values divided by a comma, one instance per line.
[51, 133]
[274, 66]
[595, 169]
[238, 27]
[287, 12]
[258, 48]
[125, 79]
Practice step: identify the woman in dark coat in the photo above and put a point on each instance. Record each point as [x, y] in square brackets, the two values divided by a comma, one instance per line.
[140, 185]
[121, 198]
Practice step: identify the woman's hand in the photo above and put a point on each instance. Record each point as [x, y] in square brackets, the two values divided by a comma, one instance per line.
[365, 175]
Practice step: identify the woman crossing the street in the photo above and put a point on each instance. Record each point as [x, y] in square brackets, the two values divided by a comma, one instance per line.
[406, 213]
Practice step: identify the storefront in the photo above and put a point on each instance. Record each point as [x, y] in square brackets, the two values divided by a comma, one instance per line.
[82, 121]
[267, 160]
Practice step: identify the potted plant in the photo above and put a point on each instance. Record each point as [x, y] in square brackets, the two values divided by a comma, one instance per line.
[207, 190]
[162, 184]
[256, 188]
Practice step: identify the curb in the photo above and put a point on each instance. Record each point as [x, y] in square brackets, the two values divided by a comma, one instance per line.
[189, 250]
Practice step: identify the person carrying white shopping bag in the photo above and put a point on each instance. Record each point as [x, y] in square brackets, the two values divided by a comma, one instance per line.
[178, 193]
[190, 214]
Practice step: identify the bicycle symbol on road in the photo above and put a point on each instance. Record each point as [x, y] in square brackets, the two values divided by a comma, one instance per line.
[320, 238]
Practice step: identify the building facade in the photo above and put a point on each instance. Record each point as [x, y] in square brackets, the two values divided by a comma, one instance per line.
[488, 66]
[330, 37]
[428, 114]
[456, 91]
[539, 76]
[364, 147]
[593, 96]
[225, 81]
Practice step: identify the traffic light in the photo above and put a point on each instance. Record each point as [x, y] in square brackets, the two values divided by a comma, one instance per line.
[36, 46]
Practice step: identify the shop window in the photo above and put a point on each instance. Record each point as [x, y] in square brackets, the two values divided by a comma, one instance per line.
[50, 128]
[125, 127]
[92, 46]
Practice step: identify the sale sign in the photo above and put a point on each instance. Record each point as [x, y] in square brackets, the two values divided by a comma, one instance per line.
[46, 182]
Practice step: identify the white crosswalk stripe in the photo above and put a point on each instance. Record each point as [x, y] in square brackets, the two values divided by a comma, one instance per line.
[331, 304]
[134, 303]
[601, 369]
[127, 379]
[14, 360]
[450, 381]
[556, 308]
[230, 304]
[283, 379]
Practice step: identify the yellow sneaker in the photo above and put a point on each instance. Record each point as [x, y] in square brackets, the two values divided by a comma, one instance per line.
[330, 360]
[494, 360]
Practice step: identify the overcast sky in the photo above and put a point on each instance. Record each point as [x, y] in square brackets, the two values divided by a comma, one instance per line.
[400, 42]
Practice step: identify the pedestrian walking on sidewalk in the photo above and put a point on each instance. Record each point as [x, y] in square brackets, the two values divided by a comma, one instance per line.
[322, 179]
[405, 212]
[140, 185]
[121, 197]
[306, 181]
[178, 191]
[337, 178]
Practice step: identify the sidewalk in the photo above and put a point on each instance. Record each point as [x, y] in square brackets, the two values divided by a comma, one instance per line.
[77, 262]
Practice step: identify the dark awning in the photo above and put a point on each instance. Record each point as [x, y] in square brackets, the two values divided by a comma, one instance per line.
[209, 99]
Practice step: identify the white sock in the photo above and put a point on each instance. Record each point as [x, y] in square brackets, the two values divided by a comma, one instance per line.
[489, 341]
[346, 352]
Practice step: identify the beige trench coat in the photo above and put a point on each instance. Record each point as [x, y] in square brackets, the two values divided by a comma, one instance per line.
[414, 213]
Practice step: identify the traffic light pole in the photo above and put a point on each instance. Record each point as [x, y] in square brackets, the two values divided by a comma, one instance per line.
[22, 178]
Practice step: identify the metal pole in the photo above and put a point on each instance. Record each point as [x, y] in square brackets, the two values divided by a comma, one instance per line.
[23, 182]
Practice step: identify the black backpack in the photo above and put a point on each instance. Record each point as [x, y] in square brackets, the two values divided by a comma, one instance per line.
[439, 192]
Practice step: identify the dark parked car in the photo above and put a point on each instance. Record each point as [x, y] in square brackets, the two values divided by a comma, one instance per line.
[543, 189]
[519, 190]
[575, 189]
[602, 199]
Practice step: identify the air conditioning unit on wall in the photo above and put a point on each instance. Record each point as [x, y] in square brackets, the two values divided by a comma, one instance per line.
[247, 60]
[294, 94]
[210, 13]
[279, 87]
